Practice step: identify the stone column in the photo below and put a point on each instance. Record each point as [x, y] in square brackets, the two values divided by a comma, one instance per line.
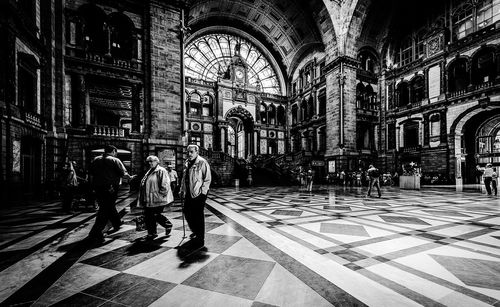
[444, 134]
[81, 116]
[426, 131]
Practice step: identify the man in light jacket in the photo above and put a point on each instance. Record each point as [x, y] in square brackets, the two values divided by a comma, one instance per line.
[195, 184]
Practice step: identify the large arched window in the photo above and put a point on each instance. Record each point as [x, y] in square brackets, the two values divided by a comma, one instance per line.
[417, 89]
[209, 56]
[303, 110]
[195, 104]
[94, 27]
[310, 108]
[122, 40]
[369, 98]
[403, 94]
[484, 67]
[295, 114]
[322, 104]
[360, 94]
[263, 113]
[458, 76]
[208, 105]
[272, 114]
[281, 116]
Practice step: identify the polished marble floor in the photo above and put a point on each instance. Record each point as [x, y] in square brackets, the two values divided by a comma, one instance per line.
[265, 247]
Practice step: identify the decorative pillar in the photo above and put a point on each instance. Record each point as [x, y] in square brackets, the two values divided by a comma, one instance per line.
[426, 130]
[444, 134]
[107, 30]
[398, 137]
[81, 116]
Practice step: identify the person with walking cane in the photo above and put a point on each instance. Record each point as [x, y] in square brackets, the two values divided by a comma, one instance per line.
[195, 184]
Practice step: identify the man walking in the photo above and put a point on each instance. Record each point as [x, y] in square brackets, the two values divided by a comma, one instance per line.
[173, 178]
[195, 184]
[488, 177]
[373, 174]
[106, 173]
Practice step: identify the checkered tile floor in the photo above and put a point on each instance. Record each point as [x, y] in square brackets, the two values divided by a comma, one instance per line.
[266, 247]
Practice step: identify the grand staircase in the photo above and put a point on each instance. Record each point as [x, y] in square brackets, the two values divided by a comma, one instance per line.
[264, 170]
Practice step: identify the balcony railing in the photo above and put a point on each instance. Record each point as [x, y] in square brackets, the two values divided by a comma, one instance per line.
[471, 88]
[109, 131]
[33, 119]
[410, 148]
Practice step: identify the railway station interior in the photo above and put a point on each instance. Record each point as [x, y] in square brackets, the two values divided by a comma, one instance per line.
[275, 93]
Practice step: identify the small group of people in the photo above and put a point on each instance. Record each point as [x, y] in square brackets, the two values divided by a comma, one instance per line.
[490, 178]
[306, 179]
[156, 192]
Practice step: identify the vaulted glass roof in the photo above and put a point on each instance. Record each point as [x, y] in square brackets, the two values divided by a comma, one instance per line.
[209, 56]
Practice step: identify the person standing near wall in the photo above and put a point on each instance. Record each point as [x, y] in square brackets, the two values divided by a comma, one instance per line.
[195, 185]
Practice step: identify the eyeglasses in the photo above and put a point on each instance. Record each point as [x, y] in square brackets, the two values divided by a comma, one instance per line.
[149, 161]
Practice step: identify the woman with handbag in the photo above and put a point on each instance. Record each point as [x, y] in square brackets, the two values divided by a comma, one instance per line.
[154, 195]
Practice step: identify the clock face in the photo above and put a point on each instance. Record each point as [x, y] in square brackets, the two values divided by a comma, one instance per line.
[239, 73]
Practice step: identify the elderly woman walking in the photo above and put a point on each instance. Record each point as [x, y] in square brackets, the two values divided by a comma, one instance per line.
[155, 195]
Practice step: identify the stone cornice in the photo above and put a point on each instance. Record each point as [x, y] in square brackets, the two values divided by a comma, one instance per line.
[351, 62]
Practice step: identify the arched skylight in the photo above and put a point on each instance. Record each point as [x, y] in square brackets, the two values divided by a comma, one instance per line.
[209, 56]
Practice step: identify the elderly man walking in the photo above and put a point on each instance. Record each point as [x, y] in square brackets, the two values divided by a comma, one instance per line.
[195, 184]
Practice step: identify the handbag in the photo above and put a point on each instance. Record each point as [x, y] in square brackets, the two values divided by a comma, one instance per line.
[140, 222]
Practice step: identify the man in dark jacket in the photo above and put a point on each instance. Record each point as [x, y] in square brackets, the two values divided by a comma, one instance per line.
[106, 173]
[373, 174]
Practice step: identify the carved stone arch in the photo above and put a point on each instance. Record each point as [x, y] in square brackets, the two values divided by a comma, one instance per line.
[457, 58]
[243, 114]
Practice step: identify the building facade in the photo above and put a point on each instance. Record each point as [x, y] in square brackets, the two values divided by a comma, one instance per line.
[333, 85]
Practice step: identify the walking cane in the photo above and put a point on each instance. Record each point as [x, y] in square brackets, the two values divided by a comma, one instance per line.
[183, 223]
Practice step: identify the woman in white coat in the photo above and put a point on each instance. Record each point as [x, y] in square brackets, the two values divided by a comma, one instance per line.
[155, 195]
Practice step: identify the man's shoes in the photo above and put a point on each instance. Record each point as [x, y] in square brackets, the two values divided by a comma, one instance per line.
[168, 230]
[115, 229]
[197, 244]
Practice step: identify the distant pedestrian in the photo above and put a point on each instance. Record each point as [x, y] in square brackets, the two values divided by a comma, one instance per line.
[309, 180]
[494, 182]
[70, 186]
[374, 175]
[106, 173]
[173, 178]
[487, 177]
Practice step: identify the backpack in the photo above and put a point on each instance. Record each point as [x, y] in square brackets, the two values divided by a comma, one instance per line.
[375, 173]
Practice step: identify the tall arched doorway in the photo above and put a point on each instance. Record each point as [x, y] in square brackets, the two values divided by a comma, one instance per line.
[240, 136]
[31, 164]
[480, 141]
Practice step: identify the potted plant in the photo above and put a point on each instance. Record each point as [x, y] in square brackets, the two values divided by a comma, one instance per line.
[410, 179]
